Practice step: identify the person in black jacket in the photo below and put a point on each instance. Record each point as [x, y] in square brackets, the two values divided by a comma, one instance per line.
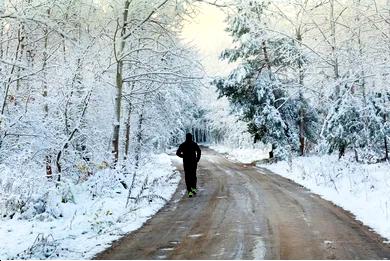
[190, 152]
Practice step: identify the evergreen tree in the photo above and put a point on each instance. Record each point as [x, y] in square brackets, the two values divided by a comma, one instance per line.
[381, 105]
[359, 122]
[258, 87]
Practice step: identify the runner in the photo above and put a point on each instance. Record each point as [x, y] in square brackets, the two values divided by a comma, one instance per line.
[190, 152]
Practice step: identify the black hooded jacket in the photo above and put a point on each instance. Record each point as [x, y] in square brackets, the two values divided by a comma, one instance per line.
[189, 151]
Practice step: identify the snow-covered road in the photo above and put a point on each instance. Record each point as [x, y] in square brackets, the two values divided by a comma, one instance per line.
[243, 212]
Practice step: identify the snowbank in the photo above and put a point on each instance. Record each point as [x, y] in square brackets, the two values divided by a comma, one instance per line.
[94, 217]
[363, 189]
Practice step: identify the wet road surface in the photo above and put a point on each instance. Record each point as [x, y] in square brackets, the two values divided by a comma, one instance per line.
[243, 212]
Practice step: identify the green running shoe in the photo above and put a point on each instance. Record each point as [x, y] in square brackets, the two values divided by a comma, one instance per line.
[190, 194]
[194, 190]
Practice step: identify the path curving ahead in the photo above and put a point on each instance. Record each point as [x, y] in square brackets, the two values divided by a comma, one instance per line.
[242, 212]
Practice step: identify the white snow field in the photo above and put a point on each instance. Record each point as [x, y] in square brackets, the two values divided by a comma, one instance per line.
[94, 217]
[362, 189]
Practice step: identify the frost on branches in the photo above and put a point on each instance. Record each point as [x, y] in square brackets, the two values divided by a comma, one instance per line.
[263, 86]
[91, 92]
[311, 76]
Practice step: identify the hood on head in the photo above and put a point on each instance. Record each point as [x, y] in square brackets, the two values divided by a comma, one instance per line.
[188, 137]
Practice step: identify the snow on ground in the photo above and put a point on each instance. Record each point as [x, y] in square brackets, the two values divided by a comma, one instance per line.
[363, 189]
[241, 154]
[90, 223]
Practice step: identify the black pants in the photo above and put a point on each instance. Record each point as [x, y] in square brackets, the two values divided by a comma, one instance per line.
[190, 175]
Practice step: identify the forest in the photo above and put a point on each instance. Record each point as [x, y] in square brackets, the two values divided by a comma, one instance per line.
[312, 76]
[91, 91]
[94, 93]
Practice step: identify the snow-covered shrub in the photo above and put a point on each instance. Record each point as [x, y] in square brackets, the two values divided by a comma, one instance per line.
[24, 193]
[101, 221]
[104, 183]
[44, 247]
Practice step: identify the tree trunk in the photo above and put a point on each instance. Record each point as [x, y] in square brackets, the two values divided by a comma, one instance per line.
[342, 148]
[9, 81]
[21, 40]
[138, 147]
[333, 47]
[301, 142]
[386, 146]
[301, 109]
[118, 100]
[271, 153]
[356, 156]
[45, 91]
[119, 84]
[49, 171]
[266, 59]
[1, 30]
[45, 58]
[127, 141]
[301, 128]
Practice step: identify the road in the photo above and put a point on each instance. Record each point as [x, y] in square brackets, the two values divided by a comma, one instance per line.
[243, 212]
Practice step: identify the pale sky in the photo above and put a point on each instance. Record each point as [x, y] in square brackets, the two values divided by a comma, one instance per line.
[206, 33]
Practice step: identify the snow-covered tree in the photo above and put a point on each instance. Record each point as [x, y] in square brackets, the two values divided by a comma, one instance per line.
[70, 71]
[262, 85]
